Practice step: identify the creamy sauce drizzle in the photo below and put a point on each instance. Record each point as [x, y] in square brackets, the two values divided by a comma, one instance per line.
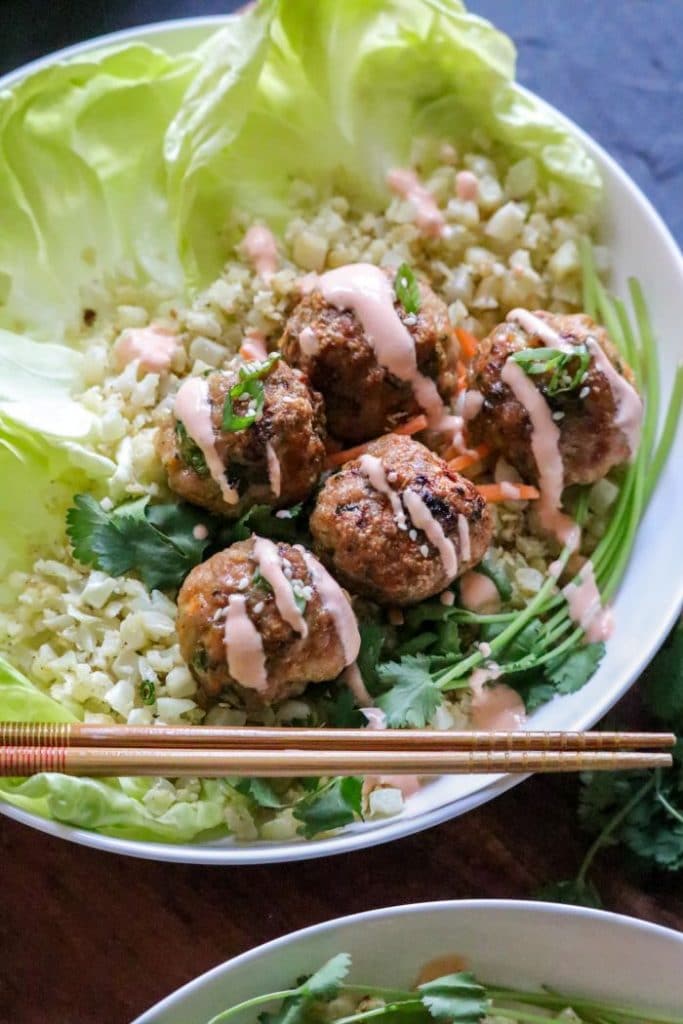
[540, 328]
[585, 606]
[193, 408]
[627, 401]
[428, 217]
[375, 717]
[367, 292]
[545, 445]
[244, 646]
[464, 538]
[260, 248]
[254, 346]
[354, 680]
[274, 470]
[269, 562]
[373, 468]
[153, 347]
[423, 519]
[337, 604]
[471, 404]
[308, 342]
[494, 708]
[478, 592]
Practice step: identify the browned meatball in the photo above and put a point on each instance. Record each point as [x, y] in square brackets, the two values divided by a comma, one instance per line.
[370, 519]
[275, 461]
[592, 440]
[231, 593]
[362, 399]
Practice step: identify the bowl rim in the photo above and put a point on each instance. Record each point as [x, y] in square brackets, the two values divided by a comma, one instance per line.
[537, 909]
[265, 852]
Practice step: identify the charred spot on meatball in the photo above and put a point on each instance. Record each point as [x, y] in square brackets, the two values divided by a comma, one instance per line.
[362, 399]
[580, 398]
[293, 659]
[371, 544]
[275, 459]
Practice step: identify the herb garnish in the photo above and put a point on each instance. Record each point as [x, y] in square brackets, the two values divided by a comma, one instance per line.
[336, 804]
[249, 384]
[407, 289]
[148, 692]
[557, 364]
[190, 452]
[459, 997]
[156, 541]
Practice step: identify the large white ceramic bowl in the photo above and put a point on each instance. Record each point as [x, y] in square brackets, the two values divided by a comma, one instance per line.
[506, 942]
[651, 593]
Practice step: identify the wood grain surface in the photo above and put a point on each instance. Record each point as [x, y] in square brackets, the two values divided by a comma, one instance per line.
[89, 938]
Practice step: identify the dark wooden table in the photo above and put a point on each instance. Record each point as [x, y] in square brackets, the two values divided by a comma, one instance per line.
[87, 938]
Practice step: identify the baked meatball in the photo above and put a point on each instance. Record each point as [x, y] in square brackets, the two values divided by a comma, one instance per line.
[597, 412]
[264, 619]
[362, 398]
[274, 461]
[397, 525]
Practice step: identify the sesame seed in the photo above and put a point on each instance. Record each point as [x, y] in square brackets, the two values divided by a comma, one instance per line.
[412, 534]
[424, 551]
[258, 608]
[243, 583]
[584, 392]
[287, 569]
[559, 415]
[392, 476]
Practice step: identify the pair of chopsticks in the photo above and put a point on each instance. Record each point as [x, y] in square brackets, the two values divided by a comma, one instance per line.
[221, 751]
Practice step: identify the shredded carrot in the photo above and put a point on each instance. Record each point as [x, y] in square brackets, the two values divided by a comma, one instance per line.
[468, 343]
[413, 426]
[500, 492]
[461, 462]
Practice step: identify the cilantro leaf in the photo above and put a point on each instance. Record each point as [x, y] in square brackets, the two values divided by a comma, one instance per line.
[571, 673]
[664, 681]
[266, 522]
[457, 997]
[338, 803]
[574, 891]
[373, 637]
[413, 697]
[338, 708]
[260, 791]
[324, 984]
[126, 540]
[407, 289]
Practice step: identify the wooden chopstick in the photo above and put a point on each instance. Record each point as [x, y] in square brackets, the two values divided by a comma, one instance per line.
[210, 763]
[258, 738]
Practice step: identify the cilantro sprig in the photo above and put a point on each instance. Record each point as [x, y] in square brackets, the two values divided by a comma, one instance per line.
[156, 541]
[564, 371]
[249, 385]
[460, 998]
[407, 289]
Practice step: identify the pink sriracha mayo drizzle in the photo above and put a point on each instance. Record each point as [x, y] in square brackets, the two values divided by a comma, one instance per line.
[494, 708]
[260, 248]
[478, 592]
[627, 401]
[308, 342]
[428, 217]
[274, 470]
[423, 520]
[585, 606]
[447, 598]
[153, 347]
[467, 186]
[545, 445]
[244, 646]
[338, 606]
[193, 409]
[200, 531]
[464, 538]
[472, 402]
[367, 292]
[375, 718]
[373, 468]
[354, 680]
[253, 348]
[269, 562]
[540, 328]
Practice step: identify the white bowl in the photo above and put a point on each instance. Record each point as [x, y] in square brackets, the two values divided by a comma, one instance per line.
[651, 593]
[506, 942]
